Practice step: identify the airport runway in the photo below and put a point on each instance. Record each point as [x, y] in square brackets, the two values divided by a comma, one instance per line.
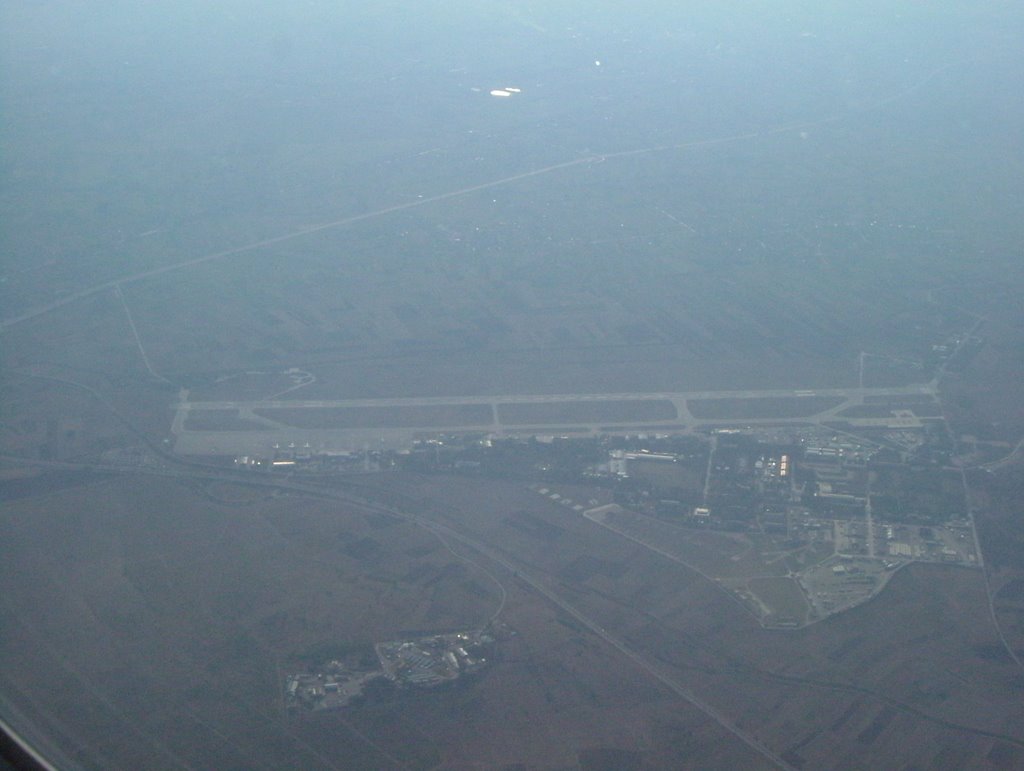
[263, 425]
[854, 395]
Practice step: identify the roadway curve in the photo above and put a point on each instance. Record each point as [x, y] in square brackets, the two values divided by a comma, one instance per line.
[443, 533]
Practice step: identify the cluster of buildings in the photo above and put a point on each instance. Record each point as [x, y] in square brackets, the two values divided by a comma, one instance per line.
[423, 662]
[430, 661]
[336, 685]
[305, 460]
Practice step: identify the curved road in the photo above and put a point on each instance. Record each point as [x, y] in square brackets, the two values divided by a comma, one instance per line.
[197, 471]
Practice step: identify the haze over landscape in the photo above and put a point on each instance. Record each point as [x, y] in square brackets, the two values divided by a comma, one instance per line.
[497, 385]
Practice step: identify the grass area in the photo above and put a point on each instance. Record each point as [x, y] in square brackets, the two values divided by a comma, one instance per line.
[611, 411]
[761, 407]
[668, 477]
[220, 420]
[412, 416]
[809, 555]
[782, 595]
